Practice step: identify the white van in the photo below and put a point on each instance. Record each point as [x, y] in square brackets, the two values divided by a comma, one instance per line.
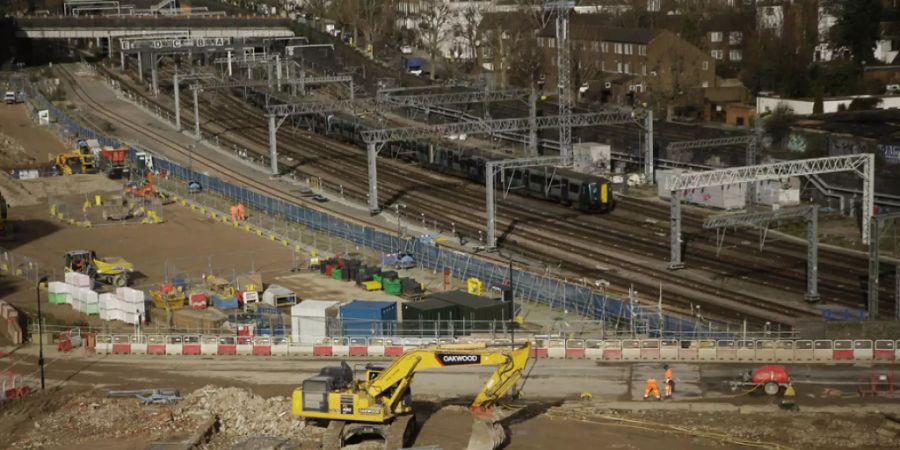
[10, 98]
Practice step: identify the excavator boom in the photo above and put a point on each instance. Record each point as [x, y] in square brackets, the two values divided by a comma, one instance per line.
[381, 403]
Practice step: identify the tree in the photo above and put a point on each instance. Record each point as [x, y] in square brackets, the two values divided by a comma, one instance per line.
[538, 16]
[376, 17]
[857, 28]
[818, 103]
[469, 28]
[434, 16]
[316, 8]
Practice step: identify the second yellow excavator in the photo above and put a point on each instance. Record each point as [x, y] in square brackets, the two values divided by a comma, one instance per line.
[381, 402]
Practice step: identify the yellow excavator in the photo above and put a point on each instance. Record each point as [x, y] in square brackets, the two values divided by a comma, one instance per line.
[80, 160]
[381, 403]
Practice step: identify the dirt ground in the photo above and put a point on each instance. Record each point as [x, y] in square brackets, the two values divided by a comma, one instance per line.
[22, 142]
[81, 419]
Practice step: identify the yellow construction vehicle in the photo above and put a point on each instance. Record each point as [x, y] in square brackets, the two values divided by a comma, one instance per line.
[80, 160]
[381, 402]
[110, 270]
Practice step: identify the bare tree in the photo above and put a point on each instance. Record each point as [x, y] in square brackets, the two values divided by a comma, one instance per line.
[317, 8]
[376, 18]
[434, 16]
[537, 14]
[469, 28]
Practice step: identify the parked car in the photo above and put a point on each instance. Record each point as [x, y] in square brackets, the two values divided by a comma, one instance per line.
[406, 49]
[10, 98]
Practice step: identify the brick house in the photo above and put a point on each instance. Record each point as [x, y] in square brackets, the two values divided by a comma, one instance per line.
[724, 38]
[652, 66]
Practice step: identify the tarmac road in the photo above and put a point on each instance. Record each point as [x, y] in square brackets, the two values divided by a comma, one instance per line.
[547, 379]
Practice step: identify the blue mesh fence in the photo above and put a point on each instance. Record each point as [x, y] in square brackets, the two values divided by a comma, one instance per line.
[616, 312]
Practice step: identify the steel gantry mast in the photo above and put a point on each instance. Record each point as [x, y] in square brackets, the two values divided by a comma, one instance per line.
[176, 80]
[809, 213]
[874, 256]
[491, 168]
[564, 74]
[278, 113]
[862, 164]
[375, 139]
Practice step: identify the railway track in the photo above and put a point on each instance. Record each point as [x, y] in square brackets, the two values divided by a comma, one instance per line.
[400, 187]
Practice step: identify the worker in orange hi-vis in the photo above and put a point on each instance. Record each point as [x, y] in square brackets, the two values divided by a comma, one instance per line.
[234, 213]
[240, 207]
[651, 389]
[669, 382]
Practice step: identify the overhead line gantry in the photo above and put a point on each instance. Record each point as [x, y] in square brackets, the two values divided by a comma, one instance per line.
[862, 164]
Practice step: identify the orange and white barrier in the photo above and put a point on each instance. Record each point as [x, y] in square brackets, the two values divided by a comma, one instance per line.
[764, 350]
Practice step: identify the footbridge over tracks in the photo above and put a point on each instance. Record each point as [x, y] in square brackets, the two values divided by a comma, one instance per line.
[129, 26]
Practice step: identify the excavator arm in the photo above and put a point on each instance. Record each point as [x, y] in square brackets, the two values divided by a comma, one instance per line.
[392, 383]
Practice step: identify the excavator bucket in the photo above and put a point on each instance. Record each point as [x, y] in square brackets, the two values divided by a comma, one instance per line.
[486, 435]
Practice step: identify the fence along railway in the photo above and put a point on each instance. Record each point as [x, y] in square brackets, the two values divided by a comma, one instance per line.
[251, 124]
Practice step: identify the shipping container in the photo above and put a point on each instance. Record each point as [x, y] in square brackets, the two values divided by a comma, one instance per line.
[312, 320]
[474, 307]
[368, 318]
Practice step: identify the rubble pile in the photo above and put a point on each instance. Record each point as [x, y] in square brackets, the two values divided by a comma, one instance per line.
[83, 419]
[241, 414]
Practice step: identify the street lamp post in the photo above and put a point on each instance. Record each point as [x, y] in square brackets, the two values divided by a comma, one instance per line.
[40, 317]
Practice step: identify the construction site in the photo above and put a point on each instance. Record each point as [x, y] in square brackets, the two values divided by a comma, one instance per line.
[216, 235]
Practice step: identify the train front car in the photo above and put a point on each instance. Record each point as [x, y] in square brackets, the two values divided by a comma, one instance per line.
[596, 195]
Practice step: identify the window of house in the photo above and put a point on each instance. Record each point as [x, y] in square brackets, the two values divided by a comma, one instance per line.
[603, 66]
[715, 36]
[629, 49]
[735, 37]
[617, 48]
[644, 69]
[627, 67]
[604, 47]
[642, 50]
[717, 54]
[551, 42]
[595, 45]
[704, 84]
[705, 65]
[619, 67]
[735, 55]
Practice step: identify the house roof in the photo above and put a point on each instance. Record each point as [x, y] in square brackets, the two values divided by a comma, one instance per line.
[725, 22]
[589, 27]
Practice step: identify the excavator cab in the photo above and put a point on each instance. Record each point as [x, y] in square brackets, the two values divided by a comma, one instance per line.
[329, 379]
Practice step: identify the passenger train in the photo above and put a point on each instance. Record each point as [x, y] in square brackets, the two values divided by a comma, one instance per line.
[585, 192]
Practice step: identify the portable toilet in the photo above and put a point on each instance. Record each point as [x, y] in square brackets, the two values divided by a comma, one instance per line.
[368, 318]
[277, 296]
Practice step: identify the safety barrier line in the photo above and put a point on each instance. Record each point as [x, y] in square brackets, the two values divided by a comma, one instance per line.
[780, 351]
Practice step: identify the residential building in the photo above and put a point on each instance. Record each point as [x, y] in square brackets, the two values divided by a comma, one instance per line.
[654, 66]
[454, 44]
[724, 38]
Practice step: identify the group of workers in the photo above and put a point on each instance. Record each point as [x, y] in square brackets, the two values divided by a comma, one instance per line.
[237, 212]
[652, 389]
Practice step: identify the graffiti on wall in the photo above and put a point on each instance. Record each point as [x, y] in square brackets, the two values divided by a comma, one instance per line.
[796, 143]
[890, 152]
